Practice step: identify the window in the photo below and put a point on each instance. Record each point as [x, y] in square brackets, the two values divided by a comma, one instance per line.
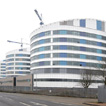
[41, 63]
[99, 58]
[99, 36]
[55, 39]
[41, 34]
[99, 51]
[82, 64]
[63, 32]
[99, 25]
[63, 47]
[82, 48]
[82, 33]
[23, 55]
[62, 62]
[41, 56]
[82, 56]
[63, 55]
[82, 23]
[55, 47]
[99, 43]
[55, 55]
[63, 39]
[41, 49]
[82, 41]
[11, 55]
[55, 63]
[42, 41]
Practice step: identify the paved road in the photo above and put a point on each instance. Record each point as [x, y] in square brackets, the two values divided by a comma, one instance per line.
[12, 99]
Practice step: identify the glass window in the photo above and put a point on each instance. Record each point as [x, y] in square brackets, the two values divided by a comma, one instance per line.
[55, 63]
[42, 41]
[63, 47]
[82, 56]
[11, 55]
[99, 51]
[99, 58]
[47, 55]
[76, 40]
[55, 39]
[55, 32]
[41, 34]
[62, 54]
[82, 41]
[55, 55]
[99, 25]
[41, 56]
[63, 39]
[55, 47]
[63, 32]
[99, 36]
[75, 63]
[82, 48]
[82, 23]
[69, 63]
[82, 64]
[41, 49]
[41, 63]
[47, 33]
[99, 43]
[82, 34]
[69, 55]
[63, 62]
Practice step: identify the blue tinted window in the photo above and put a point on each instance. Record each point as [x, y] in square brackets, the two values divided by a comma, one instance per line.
[99, 43]
[62, 62]
[82, 64]
[63, 55]
[63, 47]
[82, 41]
[99, 58]
[99, 25]
[20, 72]
[99, 51]
[82, 23]
[41, 41]
[41, 49]
[82, 48]
[99, 36]
[82, 56]
[41, 63]
[41, 34]
[63, 32]
[63, 39]
[19, 54]
[41, 56]
[82, 34]
[20, 49]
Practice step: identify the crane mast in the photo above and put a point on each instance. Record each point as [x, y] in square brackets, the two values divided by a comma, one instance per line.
[41, 22]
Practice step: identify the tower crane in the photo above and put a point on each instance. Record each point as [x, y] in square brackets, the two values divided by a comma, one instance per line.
[41, 22]
[21, 43]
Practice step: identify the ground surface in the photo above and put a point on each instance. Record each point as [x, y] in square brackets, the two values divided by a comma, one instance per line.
[15, 99]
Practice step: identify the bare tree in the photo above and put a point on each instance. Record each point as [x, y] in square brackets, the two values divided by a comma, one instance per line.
[86, 78]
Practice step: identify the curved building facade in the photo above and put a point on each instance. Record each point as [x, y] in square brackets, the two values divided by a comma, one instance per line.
[61, 51]
[2, 69]
[18, 62]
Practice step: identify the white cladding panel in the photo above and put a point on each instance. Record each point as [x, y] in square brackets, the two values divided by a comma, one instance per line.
[76, 22]
[91, 23]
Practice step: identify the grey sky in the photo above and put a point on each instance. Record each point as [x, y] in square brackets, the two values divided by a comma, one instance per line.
[18, 19]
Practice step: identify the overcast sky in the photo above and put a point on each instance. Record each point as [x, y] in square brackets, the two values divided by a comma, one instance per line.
[18, 19]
